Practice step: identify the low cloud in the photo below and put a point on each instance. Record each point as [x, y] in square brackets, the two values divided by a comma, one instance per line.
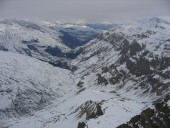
[83, 10]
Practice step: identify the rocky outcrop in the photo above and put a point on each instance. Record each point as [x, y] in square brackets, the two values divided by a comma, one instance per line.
[90, 109]
[156, 117]
[82, 125]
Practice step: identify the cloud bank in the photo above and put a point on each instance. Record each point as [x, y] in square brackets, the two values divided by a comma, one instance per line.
[85, 10]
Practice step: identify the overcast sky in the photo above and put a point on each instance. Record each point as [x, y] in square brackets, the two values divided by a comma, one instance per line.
[83, 10]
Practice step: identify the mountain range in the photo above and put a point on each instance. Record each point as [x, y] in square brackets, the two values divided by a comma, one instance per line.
[85, 75]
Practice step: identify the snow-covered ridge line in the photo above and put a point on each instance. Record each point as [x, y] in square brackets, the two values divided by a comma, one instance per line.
[119, 74]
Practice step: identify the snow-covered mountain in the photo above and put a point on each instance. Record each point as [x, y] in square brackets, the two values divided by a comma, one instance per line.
[36, 94]
[157, 116]
[131, 60]
[49, 42]
[129, 55]
[120, 79]
[33, 40]
[74, 35]
[15, 33]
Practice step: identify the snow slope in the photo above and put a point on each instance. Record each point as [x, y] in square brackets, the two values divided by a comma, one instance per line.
[28, 84]
[133, 54]
[14, 32]
[67, 113]
[35, 40]
[119, 74]
[35, 94]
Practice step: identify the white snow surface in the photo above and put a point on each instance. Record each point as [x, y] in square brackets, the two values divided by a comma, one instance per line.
[13, 32]
[155, 32]
[119, 105]
[61, 85]
[19, 73]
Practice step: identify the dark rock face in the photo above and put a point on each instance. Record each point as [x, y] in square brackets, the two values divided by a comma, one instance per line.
[81, 125]
[158, 117]
[32, 47]
[3, 48]
[27, 51]
[80, 84]
[62, 64]
[128, 50]
[101, 80]
[141, 67]
[115, 40]
[54, 51]
[134, 48]
[125, 46]
[165, 62]
[91, 109]
[74, 53]
[32, 41]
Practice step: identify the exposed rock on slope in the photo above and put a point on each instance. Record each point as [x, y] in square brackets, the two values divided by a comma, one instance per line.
[123, 60]
[118, 75]
[27, 84]
[155, 117]
[34, 40]
[91, 109]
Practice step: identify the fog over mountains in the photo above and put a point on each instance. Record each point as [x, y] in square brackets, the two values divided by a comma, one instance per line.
[84, 11]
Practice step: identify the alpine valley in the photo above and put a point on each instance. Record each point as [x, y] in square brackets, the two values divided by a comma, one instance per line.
[85, 75]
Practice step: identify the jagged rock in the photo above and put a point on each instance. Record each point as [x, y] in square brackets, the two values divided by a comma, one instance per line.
[91, 109]
[102, 80]
[134, 48]
[82, 125]
[80, 84]
[158, 117]
[3, 48]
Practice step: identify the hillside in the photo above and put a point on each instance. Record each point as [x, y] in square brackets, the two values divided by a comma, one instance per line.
[118, 79]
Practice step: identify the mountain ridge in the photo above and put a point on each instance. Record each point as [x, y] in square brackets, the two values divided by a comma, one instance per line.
[117, 75]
